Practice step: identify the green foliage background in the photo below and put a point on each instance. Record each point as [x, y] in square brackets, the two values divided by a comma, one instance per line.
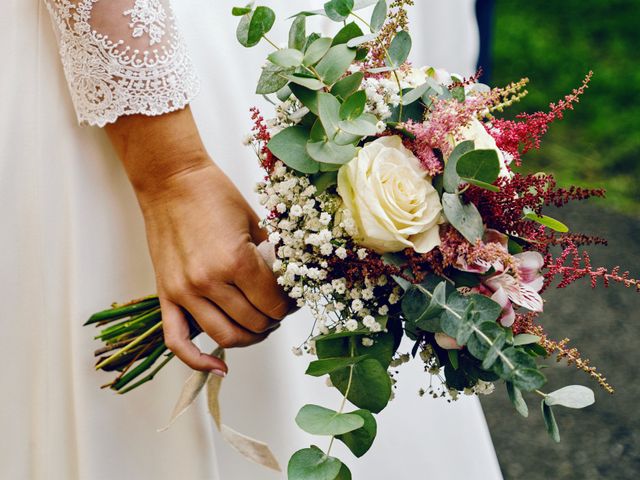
[555, 44]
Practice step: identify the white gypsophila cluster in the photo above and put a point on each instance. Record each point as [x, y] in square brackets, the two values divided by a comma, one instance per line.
[312, 232]
[382, 95]
[440, 390]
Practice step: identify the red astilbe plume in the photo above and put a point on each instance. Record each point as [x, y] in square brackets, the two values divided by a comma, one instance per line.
[572, 265]
[503, 210]
[519, 136]
[261, 134]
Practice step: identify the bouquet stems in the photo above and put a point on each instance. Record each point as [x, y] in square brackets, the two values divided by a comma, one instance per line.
[133, 342]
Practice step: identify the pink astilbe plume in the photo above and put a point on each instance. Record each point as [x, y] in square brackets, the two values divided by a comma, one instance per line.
[519, 136]
[444, 118]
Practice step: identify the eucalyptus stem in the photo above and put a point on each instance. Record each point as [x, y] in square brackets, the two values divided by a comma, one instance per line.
[270, 42]
[388, 57]
[346, 392]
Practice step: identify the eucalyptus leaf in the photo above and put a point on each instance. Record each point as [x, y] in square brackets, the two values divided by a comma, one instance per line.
[318, 420]
[322, 181]
[550, 422]
[254, 25]
[353, 106]
[572, 396]
[344, 473]
[364, 125]
[344, 138]
[272, 79]
[357, 41]
[348, 85]
[330, 152]
[347, 33]
[317, 132]
[515, 395]
[313, 464]
[370, 386]
[286, 57]
[423, 310]
[379, 15]
[451, 178]
[329, 113]
[481, 165]
[298, 32]
[464, 217]
[415, 94]
[316, 51]
[518, 367]
[359, 441]
[284, 93]
[321, 367]
[240, 11]
[290, 146]
[308, 97]
[310, 83]
[338, 10]
[399, 49]
[335, 63]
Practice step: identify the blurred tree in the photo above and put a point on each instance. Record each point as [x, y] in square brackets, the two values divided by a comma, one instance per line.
[555, 44]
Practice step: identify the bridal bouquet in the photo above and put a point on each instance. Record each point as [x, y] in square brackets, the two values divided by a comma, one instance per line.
[397, 216]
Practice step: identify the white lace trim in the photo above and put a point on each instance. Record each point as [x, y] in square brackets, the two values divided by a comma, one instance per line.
[108, 78]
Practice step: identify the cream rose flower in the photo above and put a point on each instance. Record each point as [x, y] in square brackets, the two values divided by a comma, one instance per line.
[476, 132]
[391, 198]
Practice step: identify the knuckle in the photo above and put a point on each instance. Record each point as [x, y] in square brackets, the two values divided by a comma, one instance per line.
[261, 325]
[228, 340]
[200, 277]
[279, 310]
[171, 341]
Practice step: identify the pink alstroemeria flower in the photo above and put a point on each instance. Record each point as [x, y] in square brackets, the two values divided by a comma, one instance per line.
[503, 287]
[523, 292]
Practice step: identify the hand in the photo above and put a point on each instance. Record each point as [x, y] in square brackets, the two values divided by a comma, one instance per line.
[202, 237]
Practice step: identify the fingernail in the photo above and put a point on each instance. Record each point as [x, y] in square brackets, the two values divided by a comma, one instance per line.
[274, 327]
[219, 373]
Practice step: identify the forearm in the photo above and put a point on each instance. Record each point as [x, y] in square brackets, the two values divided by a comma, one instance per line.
[154, 149]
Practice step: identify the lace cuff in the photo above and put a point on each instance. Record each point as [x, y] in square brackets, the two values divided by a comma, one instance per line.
[122, 57]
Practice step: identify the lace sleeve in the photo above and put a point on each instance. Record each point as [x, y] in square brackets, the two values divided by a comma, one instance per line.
[122, 57]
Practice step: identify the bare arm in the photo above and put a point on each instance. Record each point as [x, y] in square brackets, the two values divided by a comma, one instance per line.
[202, 237]
[128, 67]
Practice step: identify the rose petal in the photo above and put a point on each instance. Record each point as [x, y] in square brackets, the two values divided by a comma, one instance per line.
[447, 342]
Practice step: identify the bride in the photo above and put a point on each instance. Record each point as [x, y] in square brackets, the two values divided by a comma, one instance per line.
[73, 241]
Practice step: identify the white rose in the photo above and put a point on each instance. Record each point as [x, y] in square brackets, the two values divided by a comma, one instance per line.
[391, 198]
[482, 140]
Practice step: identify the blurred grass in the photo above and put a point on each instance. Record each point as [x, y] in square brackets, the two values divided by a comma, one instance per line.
[555, 44]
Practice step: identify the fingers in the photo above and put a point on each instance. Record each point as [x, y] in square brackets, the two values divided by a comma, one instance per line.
[215, 323]
[233, 302]
[177, 339]
[258, 283]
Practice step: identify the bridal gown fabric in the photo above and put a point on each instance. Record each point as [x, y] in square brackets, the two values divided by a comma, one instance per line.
[72, 241]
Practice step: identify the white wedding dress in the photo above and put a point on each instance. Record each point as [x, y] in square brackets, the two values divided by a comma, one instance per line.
[72, 241]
